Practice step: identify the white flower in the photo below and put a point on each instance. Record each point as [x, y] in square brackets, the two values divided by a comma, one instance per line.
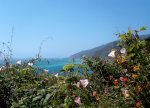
[84, 82]
[56, 75]
[30, 64]
[3, 68]
[46, 71]
[78, 100]
[125, 70]
[123, 50]
[112, 54]
[19, 62]
[78, 84]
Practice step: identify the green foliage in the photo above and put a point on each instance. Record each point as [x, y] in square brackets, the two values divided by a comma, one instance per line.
[96, 83]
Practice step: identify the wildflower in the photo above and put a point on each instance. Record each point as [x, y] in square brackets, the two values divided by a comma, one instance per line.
[134, 75]
[30, 64]
[73, 95]
[118, 60]
[123, 60]
[124, 92]
[125, 70]
[110, 77]
[128, 75]
[122, 79]
[78, 100]
[10, 66]
[78, 84]
[46, 71]
[138, 104]
[97, 98]
[46, 80]
[125, 79]
[56, 75]
[107, 90]
[112, 54]
[84, 82]
[60, 82]
[123, 50]
[3, 68]
[139, 88]
[134, 68]
[19, 62]
[125, 85]
[94, 94]
[126, 95]
[116, 82]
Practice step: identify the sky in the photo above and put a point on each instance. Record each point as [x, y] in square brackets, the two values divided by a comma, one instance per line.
[67, 26]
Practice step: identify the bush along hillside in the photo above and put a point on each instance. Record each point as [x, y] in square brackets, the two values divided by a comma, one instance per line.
[103, 50]
[123, 82]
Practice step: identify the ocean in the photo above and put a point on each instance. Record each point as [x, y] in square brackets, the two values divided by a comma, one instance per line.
[53, 65]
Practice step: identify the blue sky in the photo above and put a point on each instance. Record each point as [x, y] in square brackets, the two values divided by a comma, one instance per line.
[72, 25]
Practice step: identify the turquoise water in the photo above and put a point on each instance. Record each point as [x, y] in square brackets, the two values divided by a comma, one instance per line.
[53, 65]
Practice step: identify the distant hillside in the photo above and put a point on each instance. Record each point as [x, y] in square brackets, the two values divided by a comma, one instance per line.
[148, 43]
[104, 50]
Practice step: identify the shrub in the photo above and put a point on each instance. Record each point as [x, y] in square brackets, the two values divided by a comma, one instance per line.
[122, 82]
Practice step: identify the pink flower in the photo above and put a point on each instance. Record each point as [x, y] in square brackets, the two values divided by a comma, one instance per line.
[122, 79]
[46, 80]
[123, 50]
[84, 82]
[128, 75]
[45, 71]
[78, 84]
[112, 54]
[56, 75]
[124, 92]
[30, 64]
[78, 100]
[19, 62]
[125, 79]
[60, 82]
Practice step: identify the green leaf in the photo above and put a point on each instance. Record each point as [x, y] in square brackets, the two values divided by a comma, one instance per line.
[36, 98]
[130, 55]
[64, 87]
[131, 47]
[143, 28]
[122, 36]
[54, 102]
[43, 92]
[47, 98]
[39, 92]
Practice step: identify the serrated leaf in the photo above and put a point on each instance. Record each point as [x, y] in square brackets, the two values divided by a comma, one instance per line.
[36, 98]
